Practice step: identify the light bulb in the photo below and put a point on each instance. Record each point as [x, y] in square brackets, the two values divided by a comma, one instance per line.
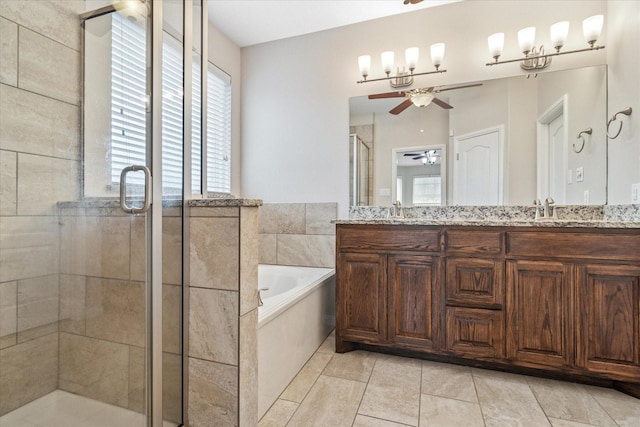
[437, 54]
[411, 56]
[364, 62]
[559, 33]
[387, 61]
[496, 43]
[591, 28]
[526, 39]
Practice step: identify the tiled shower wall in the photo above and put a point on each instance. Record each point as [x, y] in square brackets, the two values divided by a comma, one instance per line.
[39, 166]
[298, 234]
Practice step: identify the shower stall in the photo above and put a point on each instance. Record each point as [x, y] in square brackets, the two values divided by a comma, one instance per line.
[95, 109]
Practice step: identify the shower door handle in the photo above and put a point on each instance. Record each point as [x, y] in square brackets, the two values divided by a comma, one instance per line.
[147, 189]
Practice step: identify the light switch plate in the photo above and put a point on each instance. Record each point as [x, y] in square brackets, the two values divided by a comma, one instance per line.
[579, 174]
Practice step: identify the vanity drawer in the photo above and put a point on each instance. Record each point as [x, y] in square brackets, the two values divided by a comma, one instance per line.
[474, 282]
[395, 238]
[589, 245]
[473, 242]
[475, 332]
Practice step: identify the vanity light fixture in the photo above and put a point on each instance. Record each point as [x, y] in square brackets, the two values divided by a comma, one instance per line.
[535, 58]
[402, 78]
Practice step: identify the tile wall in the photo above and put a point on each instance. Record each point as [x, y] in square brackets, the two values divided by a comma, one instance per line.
[39, 165]
[298, 234]
[223, 316]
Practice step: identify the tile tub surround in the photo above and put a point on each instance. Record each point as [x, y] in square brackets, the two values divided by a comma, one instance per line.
[364, 389]
[39, 165]
[298, 234]
[222, 302]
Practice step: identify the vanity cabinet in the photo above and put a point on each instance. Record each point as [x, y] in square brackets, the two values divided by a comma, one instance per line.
[562, 300]
[386, 291]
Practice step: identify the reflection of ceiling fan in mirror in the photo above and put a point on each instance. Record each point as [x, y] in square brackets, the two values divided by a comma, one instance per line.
[428, 157]
[419, 97]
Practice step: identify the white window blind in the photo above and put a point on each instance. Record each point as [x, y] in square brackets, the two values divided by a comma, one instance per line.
[427, 190]
[128, 97]
[128, 128]
[218, 130]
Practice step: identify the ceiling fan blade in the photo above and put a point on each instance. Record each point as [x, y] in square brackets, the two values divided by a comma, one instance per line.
[413, 154]
[401, 107]
[412, 1]
[388, 95]
[419, 157]
[441, 103]
[458, 87]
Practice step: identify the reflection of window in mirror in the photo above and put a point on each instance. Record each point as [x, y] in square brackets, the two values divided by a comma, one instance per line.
[426, 190]
[399, 191]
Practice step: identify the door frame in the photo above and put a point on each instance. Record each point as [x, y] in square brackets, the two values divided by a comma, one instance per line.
[559, 107]
[443, 168]
[456, 145]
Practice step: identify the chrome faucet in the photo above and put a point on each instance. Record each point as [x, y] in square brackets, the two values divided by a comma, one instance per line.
[538, 204]
[260, 303]
[549, 208]
[397, 210]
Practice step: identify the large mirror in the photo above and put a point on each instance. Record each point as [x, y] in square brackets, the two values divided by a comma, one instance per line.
[504, 141]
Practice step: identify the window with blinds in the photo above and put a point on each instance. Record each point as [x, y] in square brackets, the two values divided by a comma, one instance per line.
[128, 113]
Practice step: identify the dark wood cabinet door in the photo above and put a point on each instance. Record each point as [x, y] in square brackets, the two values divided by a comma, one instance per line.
[475, 332]
[608, 320]
[475, 282]
[412, 281]
[539, 326]
[361, 299]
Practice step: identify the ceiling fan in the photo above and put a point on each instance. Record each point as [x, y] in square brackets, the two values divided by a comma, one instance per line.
[419, 97]
[429, 157]
[412, 1]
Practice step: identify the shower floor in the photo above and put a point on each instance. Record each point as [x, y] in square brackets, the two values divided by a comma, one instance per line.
[62, 409]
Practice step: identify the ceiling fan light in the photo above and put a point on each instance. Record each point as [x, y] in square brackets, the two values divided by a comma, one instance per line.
[424, 160]
[559, 32]
[526, 39]
[496, 44]
[422, 99]
[591, 28]
[387, 61]
[437, 54]
[364, 62]
[411, 56]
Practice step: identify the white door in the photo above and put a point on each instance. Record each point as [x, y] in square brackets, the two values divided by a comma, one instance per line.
[557, 160]
[477, 176]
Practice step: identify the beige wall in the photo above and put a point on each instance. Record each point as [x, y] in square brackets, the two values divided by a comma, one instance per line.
[623, 21]
[304, 114]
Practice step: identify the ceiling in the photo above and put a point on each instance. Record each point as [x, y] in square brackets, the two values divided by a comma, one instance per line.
[249, 22]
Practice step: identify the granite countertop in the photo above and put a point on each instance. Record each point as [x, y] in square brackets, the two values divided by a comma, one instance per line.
[577, 216]
[221, 202]
[551, 223]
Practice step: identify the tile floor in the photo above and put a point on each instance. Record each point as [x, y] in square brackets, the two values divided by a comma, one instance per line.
[62, 409]
[363, 389]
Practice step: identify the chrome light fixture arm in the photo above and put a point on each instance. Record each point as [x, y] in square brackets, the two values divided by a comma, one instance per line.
[533, 56]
